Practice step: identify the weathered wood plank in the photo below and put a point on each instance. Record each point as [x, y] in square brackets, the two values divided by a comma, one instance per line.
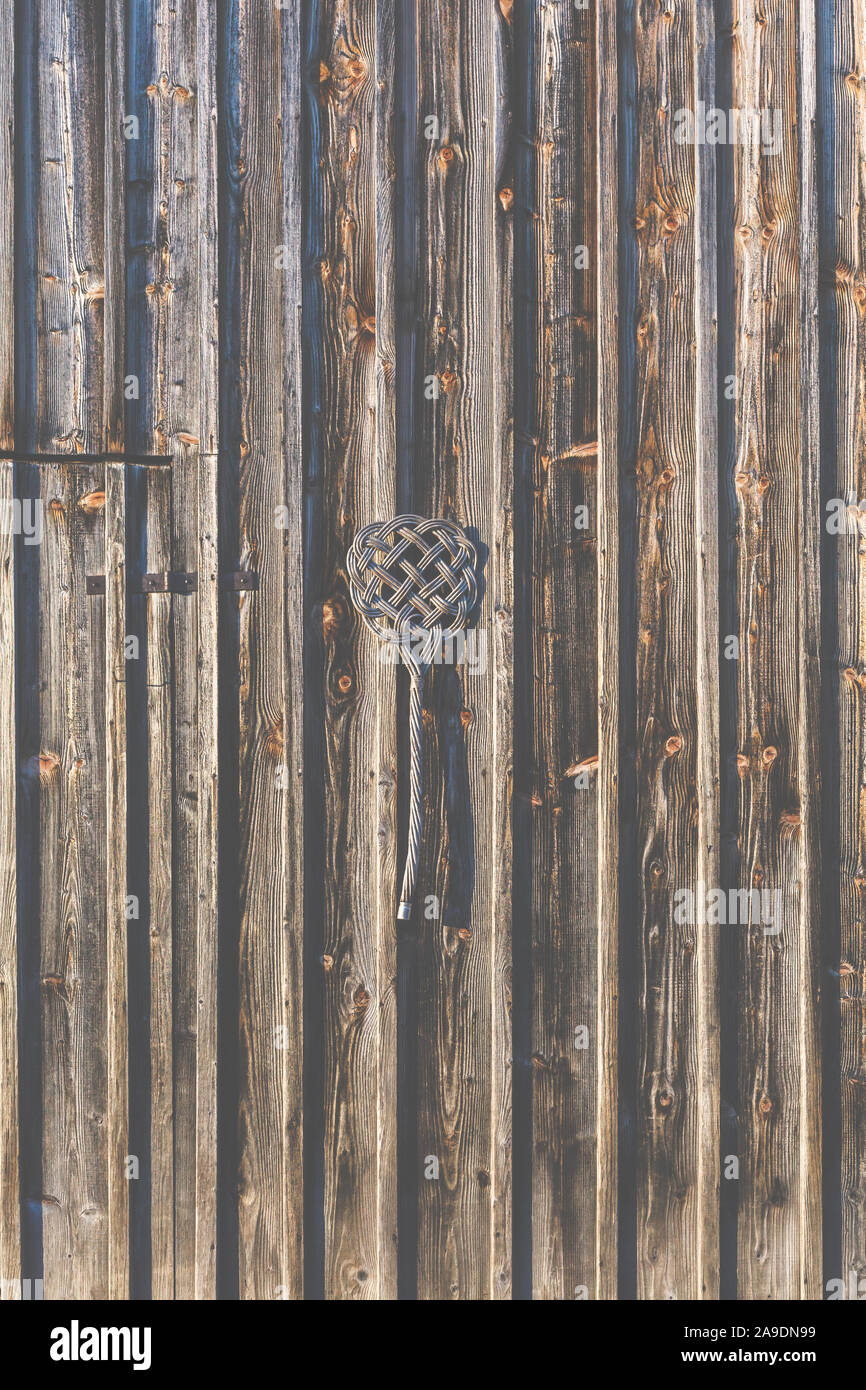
[10, 1217]
[564, 794]
[501, 640]
[174, 299]
[845, 257]
[203, 1002]
[270, 747]
[776, 476]
[608, 551]
[809, 989]
[677, 721]
[117, 1027]
[175, 188]
[387, 372]
[69, 417]
[356, 394]
[708, 771]
[462, 470]
[159, 673]
[73, 883]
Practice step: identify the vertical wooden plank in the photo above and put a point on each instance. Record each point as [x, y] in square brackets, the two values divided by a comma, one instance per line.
[115, 663]
[809, 750]
[10, 1221]
[161, 868]
[501, 640]
[564, 794]
[387, 371]
[847, 257]
[462, 471]
[73, 888]
[69, 417]
[203, 1003]
[117, 1106]
[270, 748]
[151, 347]
[607, 1015]
[186, 366]
[778, 590]
[356, 395]
[707, 772]
[10, 1218]
[677, 718]
[174, 54]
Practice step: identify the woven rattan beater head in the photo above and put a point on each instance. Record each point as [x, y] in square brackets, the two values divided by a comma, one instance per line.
[414, 583]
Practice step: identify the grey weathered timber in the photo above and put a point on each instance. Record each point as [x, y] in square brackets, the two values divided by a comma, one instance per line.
[706, 548]
[10, 1228]
[72, 771]
[463, 470]
[325, 259]
[608, 593]
[354, 62]
[67, 300]
[500, 691]
[846, 256]
[385, 828]
[181, 295]
[777, 592]
[117, 1019]
[161, 868]
[676, 720]
[563, 641]
[271, 698]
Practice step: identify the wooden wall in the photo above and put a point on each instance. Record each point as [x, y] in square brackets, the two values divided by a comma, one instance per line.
[268, 272]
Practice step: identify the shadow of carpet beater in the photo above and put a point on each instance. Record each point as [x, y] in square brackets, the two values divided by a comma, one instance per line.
[414, 583]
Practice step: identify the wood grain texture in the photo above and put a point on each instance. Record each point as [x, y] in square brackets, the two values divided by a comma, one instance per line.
[203, 545]
[75, 989]
[73, 899]
[174, 64]
[845, 257]
[114, 331]
[564, 794]
[706, 546]
[608, 550]
[778, 587]
[10, 1218]
[161, 868]
[354, 62]
[116, 1020]
[501, 640]
[396, 319]
[387, 369]
[677, 720]
[185, 294]
[463, 470]
[271, 746]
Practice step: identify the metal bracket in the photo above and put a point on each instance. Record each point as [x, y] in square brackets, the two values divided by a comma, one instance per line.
[160, 582]
[169, 582]
[240, 581]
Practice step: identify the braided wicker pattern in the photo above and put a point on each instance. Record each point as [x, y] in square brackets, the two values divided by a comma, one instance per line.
[413, 582]
[413, 578]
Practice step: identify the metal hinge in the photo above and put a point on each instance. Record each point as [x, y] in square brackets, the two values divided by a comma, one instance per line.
[159, 582]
